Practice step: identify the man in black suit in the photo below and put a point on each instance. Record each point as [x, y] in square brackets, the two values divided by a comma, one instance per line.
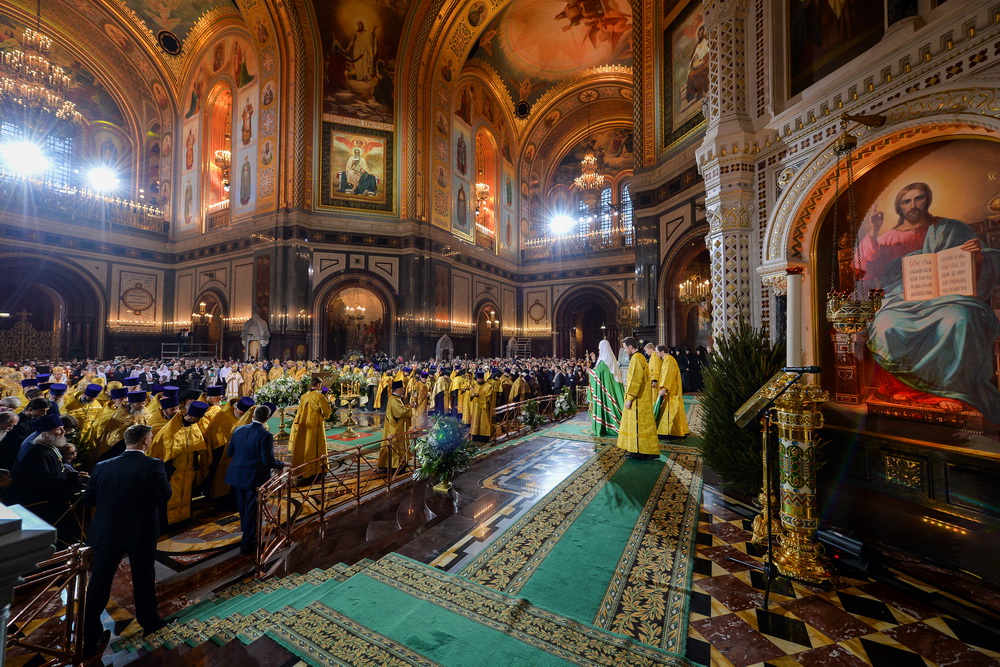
[129, 492]
[251, 449]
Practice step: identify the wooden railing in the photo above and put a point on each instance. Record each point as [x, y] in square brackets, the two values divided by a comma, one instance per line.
[287, 505]
[61, 578]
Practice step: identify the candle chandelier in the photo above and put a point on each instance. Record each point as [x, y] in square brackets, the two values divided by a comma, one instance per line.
[845, 309]
[694, 289]
[590, 182]
[30, 82]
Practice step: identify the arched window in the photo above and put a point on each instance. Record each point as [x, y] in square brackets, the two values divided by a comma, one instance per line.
[57, 149]
[583, 217]
[626, 208]
[604, 219]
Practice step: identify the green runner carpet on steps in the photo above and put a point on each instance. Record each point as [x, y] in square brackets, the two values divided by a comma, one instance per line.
[597, 572]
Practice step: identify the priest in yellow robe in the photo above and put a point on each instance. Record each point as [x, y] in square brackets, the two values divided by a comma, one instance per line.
[420, 398]
[481, 409]
[166, 409]
[111, 439]
[673, 424]
[85, 407]
[655, 362]
[440, 397]
[181, 446]
[217, 438]
[213, 396]
[395, 451]
[246, 372]
[308, 437]
[637, 431]
[276, 372]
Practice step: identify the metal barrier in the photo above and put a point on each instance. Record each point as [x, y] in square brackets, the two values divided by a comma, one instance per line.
[41, 592]
[190, 350]
[288, 503]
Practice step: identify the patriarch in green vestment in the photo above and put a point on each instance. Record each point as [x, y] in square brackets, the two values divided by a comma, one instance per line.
[607, 396]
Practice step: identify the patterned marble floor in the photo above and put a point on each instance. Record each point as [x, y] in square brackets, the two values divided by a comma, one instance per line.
[859, 622]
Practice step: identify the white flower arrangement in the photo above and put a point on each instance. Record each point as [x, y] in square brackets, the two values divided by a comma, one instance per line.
[564, 406]
[283, 392]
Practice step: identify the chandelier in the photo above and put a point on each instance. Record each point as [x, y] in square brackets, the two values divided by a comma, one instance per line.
[589, 183]
[694, 289]
[356, 313]
[845, 310]
[30, 82]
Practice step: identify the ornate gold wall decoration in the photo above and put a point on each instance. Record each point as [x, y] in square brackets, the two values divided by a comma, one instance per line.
[904, 472]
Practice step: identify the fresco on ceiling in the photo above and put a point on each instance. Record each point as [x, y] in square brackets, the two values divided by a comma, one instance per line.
[92, 99]
[361, 41]
[176, 16]
[930, 237]
[613, 147]
[533, 44]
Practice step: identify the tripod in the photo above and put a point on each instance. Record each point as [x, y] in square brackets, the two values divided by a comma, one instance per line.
[768, 567]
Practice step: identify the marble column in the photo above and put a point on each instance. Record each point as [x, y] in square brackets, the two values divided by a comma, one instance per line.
[726, 162]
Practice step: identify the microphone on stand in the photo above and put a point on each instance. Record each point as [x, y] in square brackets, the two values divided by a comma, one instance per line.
[801, 370]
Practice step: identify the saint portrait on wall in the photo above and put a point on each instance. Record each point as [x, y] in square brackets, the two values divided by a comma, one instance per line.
[189, 144]
[357, 168]
[246, 181]
[930, 240]
[462, 155]
[246, 131]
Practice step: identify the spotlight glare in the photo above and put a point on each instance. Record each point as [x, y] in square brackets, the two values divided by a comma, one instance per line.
[561, 224]
[103, 179]
[23, 157]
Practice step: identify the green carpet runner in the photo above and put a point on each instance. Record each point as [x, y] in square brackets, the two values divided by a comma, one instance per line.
[398, 611]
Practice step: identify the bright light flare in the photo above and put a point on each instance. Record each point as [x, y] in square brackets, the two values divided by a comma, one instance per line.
[561, 224]
[103, 179]
[24, 158]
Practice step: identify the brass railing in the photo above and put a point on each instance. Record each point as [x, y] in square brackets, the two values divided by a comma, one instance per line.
[61, 578]
[288, 504]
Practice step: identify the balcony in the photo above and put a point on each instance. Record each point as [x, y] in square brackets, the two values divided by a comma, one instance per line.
[218, 215]
[42, 199]
[582, 244]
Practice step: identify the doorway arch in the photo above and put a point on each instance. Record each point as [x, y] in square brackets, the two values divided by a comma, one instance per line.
[686, 324]
[208, 319]
[584, 316]
[68, 301]
[488, 330]
[337, 328]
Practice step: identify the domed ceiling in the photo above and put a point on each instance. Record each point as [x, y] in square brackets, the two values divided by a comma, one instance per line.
[533, 45]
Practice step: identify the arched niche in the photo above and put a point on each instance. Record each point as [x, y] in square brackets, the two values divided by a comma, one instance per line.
[685, 323]
[208, 319]
[354, 318]
[488, 173]
[488, 332]
[217, 144]
[580, 314]
[63, 299]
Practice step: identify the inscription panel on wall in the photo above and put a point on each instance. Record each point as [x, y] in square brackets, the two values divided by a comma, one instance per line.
[136, 299]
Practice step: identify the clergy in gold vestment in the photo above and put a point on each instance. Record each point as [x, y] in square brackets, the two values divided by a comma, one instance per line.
[276, 372]
[112, 434]
[673, 422]
[259, 379]
[85, 407]
[655, 364]
[481, 409]
[308, 437]
[637, 431]
[393, 455]
[420, 397]
[162, 416]
[216, 438]
[181, 446]
[246, 389]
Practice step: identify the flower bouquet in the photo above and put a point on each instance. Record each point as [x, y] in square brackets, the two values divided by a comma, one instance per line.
[529, 415]
[446, 450]
[283, 392]
[564, 405]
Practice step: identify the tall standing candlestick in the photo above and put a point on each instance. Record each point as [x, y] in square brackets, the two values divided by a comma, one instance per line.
[793, 328]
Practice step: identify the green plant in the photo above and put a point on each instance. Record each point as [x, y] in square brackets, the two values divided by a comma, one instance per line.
[529, 415]
[445, 450]
[744, 359]
[283, 392]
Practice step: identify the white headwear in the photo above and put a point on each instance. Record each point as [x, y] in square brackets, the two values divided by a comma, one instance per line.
[606, 355]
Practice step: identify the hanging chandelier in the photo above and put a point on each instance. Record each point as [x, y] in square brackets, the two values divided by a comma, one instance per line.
[590, 182]
[30, 82]
[694, 289]
[845, 309]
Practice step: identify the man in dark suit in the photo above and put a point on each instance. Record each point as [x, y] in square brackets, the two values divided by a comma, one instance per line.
[251, 449]
[128, 492]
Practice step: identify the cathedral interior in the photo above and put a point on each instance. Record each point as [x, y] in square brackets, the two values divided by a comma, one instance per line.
[300, 180]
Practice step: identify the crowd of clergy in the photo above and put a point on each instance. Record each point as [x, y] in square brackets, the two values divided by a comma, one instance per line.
[193, 420]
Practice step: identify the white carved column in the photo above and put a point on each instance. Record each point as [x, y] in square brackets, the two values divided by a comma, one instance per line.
[726, 161]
